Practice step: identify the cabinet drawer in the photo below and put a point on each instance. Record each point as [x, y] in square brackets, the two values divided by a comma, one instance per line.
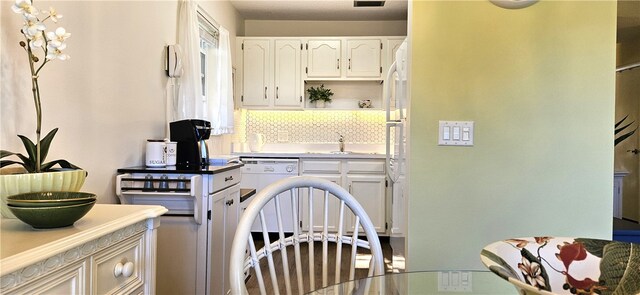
[374, 167]
[321, 166]
[119, 269]
[68, 280]
[224, 180]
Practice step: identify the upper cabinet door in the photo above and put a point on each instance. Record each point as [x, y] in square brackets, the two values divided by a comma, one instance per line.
[392, 47]
[324, 58]
[256, 69]
[287, 74]
[364, 58]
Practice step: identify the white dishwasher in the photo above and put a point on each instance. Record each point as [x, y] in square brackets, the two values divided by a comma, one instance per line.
[260, 172]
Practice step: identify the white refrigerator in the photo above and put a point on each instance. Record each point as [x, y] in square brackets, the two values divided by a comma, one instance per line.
[395, 96]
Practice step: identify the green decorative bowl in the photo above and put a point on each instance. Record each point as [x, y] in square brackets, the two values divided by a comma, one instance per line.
[50, 199]
[51, 217]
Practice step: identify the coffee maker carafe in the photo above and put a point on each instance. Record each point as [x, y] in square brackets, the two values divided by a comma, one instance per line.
[191, 136]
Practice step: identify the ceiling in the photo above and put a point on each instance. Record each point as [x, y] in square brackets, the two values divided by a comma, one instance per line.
[319, 10]
[628, 12]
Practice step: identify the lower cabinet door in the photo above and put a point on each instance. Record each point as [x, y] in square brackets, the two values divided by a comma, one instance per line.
[71, 279]
[317, 207]
[120, 268]
[370, 191]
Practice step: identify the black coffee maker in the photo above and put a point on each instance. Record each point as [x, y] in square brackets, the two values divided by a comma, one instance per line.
[191, 136]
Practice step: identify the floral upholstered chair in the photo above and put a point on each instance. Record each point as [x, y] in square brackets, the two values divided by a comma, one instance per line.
[546, 265]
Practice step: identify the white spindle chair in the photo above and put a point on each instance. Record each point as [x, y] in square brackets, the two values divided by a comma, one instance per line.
[242, 261]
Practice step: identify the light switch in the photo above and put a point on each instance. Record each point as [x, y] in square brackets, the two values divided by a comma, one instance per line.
[455, 133]
[445, 133]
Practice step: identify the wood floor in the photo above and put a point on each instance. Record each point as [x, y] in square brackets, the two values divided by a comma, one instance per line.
[252, 283]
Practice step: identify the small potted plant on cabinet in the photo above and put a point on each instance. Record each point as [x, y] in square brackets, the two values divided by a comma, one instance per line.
[35, 174]
[319, 95]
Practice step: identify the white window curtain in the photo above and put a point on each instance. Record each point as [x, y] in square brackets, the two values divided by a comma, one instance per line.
[220, 95]
[189, 104]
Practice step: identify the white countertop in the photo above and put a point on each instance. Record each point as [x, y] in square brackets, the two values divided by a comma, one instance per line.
[20, 244]
[310, 155]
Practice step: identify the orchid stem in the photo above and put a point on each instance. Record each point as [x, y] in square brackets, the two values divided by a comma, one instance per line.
[36, 98]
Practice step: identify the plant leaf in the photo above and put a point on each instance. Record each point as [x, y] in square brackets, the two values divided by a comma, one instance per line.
[46, 142]
[620, 122]
[4, 153]
[618, 268]
[5, 163]
[63, 163]
[29, 146]
[618, 130]
[623, 137]
[505, 270]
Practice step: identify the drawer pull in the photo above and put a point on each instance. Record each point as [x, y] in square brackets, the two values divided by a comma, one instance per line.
[228, 178]
[229, 202]
[125, 270]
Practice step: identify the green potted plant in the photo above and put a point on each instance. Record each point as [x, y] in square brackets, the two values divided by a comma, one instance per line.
[41, 47]
[319, 95]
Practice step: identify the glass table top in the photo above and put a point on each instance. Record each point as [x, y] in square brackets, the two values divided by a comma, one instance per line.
[426, 282]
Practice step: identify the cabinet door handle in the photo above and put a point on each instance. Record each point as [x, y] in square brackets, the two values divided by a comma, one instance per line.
[228, 178]
[230, 202]
[349, 187]
[338, 63]
[349, 64]
[277, 95]
[265, 92]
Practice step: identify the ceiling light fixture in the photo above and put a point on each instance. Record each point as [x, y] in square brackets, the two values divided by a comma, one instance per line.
[368, 3]
[513, 4]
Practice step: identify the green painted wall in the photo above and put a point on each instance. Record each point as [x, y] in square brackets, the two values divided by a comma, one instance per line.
[539, 83]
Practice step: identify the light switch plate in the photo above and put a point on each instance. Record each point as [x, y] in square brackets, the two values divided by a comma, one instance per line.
[454, 281]
[455, 133]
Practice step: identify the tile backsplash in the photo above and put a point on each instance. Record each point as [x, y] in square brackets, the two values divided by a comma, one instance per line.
[316, 126]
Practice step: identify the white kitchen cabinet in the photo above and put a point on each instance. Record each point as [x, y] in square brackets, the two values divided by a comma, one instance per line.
[365, 179]
[361, 58]
[370, 191]
[318, 206]
[112, 250]
[271, 73]
[364, 58]
[256, 70]
[324, 58]
[288, 73]
[225, 214]
[392, 46]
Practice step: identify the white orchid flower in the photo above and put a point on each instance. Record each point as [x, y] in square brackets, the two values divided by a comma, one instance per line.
[52, 14]
[37, 40]
[56, 53]
[56, 39]
[32, 26]
[24, 7]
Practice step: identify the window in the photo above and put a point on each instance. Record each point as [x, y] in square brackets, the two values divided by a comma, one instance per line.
[208, 46]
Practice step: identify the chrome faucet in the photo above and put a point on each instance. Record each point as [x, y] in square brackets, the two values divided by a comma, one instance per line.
[341, 142]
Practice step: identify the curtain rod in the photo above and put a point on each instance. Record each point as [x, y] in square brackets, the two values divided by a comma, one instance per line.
[208, 18]
[628, 67]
